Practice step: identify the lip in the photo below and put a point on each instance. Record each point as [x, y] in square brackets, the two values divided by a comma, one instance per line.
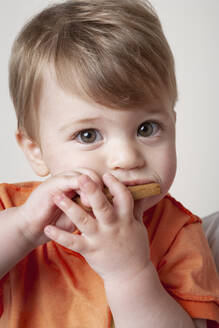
[137, 182]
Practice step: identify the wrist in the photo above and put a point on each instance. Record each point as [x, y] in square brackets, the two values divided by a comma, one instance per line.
[146, 277]
[129, 300]
[13, 246]
[24, 243]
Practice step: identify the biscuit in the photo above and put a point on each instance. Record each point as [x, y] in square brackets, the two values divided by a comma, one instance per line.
[138, 192]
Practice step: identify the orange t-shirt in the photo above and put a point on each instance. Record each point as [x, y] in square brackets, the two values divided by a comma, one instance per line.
[55, 287]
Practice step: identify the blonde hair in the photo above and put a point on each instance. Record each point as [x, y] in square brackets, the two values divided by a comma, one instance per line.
[113, 52]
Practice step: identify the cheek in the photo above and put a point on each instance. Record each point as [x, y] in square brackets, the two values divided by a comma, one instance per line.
[60, 159]
[164, 164]
[57, 158]
[168, 169]
[170, 172]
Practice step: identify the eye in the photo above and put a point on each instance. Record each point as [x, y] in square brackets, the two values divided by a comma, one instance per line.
[148, 129]
[88, 136]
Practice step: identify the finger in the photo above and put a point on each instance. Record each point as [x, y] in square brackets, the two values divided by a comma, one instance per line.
[100, 205]
[84, 222]
[65, 223]
[122, 198]
[85, 171]
[74, 242]
[81, 199]
[93, 175]
[41, 199]
[61, 221]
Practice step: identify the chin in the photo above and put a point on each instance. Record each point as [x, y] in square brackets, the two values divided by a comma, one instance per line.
[151, 201]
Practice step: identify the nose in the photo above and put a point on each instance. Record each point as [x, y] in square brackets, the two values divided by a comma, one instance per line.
[124, 155]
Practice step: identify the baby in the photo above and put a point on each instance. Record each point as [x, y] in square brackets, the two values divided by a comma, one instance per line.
[93, 85]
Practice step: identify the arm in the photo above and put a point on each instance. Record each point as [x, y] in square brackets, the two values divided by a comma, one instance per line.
[143, 302]
[13, 245]
[115, 244]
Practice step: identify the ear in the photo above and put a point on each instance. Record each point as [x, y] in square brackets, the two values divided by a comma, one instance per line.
[32, 152]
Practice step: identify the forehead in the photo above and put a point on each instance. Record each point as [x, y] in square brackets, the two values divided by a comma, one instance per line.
[59, 105]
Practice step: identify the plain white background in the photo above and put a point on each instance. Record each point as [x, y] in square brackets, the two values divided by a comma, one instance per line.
[191, 27]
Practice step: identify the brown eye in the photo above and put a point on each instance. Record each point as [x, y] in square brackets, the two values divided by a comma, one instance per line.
[88, 136]
[147, 129]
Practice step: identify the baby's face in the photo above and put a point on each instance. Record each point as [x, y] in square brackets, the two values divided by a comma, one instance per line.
[136, 146]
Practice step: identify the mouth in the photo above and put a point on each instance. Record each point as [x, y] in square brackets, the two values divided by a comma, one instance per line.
[137, 182]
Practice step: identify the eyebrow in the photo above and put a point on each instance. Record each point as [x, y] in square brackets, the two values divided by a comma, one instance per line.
[155, 110]
[159, 111]
[82, 121]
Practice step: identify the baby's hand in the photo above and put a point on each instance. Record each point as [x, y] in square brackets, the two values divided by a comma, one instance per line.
[113, 240]
[39, 210]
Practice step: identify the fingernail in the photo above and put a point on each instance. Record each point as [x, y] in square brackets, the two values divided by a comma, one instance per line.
[59, 199]
[107, 175]
[85, 182]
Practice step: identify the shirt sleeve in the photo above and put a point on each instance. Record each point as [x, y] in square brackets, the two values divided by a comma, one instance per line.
[187, 271]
